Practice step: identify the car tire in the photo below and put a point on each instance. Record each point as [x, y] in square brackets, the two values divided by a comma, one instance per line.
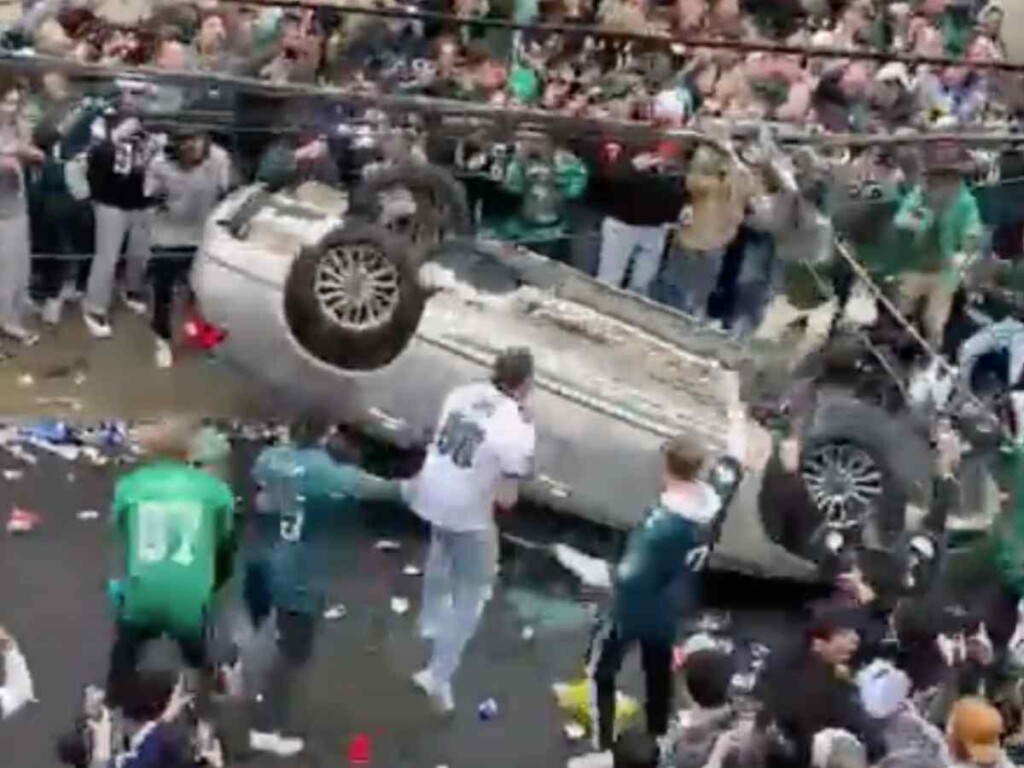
[370, 334]
[430, 186]
[880, 447]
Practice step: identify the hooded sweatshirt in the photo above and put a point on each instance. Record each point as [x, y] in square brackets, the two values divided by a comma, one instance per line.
[187, 195]
[117, 163]
[657, 578]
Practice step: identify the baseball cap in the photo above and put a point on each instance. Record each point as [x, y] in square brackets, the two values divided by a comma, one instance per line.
[975, 725]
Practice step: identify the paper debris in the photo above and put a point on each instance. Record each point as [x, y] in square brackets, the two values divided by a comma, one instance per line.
[400, 605]
[61, 402]
[574, 731]
[592, 571]
[88, 514]
[13, 474]
[26, 380]
[22, 521]
[335, 612]
[388, 545]
[66, 452]
[411, 570]
[528, 633]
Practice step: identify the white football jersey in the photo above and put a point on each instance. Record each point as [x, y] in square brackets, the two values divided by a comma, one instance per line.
[482, 438]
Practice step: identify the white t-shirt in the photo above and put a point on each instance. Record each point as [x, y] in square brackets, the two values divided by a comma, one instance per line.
[482, 438]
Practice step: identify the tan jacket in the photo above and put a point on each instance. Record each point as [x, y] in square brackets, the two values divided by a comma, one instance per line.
[719, 193]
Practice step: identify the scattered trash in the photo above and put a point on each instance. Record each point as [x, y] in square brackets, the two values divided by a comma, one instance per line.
[400, 605]
[388, 545]
[574, 731]
[592, 571]
[574, 702]
[88, 514]
[360, 750]
[70, 477]
[66, 370]
[335, 612]
[66, 452]
[13, 474]
[487, 710]
[22, 521]
[21, 454]
[79, 379]
[94, 456]
[411, 570]
[26, 380]
[73, 403]
[528, 633]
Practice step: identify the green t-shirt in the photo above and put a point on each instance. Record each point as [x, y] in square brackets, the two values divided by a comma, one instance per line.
[171, 519]
[936, 238]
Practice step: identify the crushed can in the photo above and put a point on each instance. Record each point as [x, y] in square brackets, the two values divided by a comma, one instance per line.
[487, 710]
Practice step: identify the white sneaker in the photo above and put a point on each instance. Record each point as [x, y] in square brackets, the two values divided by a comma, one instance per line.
[97, 324]
[51, 311]
[21, 334]
[134, 302]
[164, 355]
[275, 744]
[440, 695]
[69, 292]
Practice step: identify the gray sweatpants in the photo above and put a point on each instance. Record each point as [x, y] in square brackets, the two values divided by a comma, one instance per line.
[112, 225]
[15, 263]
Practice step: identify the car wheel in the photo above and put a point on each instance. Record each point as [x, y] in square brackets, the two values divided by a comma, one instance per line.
[354, 300]
[422, 203]
[861, 465]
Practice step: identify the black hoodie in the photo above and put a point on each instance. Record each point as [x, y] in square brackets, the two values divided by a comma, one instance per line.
[117, 167]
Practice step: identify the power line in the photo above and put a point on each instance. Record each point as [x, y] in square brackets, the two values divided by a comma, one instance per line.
[579, 30]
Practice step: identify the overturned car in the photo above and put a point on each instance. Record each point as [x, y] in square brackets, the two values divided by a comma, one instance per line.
[360, 303]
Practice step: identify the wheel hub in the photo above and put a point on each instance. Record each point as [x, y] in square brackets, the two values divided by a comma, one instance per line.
[357, 286]
[843, 480]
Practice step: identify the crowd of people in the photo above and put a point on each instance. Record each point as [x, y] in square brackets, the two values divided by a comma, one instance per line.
[742, 234]
[869, 681]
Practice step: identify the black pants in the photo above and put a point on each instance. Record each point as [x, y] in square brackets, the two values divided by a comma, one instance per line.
[124, 659]
[607, 652]
[167, 268]
[295, 633]
[54, 273]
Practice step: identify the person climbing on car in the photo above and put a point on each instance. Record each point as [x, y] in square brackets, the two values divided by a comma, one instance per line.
[187, 179]
[483, 447]
[943, 223]
[655, 583]
[120, 154]
[305, 488]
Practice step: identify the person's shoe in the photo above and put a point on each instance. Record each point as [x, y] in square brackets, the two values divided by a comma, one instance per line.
[164, 355]
[97, 324]
[134, 301]
[440, 694]
[275, 744]
[52, 310]
[20, 334]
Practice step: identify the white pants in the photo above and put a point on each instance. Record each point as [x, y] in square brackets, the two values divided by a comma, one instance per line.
[15, 264]
[621, 243]
[112, 225]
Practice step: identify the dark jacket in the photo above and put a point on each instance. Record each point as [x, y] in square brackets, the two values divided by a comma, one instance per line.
[808, 696]
[117, 167]
[658, 577]
[619, 190]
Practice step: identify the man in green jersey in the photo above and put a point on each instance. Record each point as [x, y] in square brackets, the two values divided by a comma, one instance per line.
[175, 524]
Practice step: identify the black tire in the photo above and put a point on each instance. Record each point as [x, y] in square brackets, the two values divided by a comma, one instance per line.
[901, 455]
[327, 337]
[435, 191]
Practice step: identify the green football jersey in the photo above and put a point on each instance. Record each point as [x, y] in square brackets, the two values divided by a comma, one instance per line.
[171, 519]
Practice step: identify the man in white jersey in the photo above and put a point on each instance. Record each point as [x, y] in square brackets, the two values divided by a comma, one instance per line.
[484, 445]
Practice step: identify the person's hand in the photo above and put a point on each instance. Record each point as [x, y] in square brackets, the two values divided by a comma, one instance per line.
[646, 161]
[853, 585]
[101, 734]
[180, 699]
[948, 451]
[979, 647]
[686, 216]
[6, 641]
[314, 150]
[32, 153]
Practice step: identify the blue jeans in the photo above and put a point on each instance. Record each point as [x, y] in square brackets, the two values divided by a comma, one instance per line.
[456, 584]
[687, 280]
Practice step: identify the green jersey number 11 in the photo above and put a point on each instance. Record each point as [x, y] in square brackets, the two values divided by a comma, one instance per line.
[167, 531]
